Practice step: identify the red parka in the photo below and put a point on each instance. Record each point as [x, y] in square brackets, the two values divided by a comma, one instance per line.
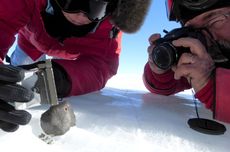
[215, 95]
[97, 53]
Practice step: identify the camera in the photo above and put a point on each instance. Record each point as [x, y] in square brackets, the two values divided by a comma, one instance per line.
[165, 55]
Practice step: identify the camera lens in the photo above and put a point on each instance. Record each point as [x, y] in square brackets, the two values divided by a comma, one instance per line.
[164, 55]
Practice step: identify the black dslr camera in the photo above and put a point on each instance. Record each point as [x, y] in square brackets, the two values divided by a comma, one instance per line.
[164, 54]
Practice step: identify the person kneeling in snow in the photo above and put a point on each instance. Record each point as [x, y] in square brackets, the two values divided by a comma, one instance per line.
[78, 33]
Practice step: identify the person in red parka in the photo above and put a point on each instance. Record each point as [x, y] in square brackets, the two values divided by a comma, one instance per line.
[78, 34]
[206, 69]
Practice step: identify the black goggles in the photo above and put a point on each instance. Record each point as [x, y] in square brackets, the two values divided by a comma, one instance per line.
[95, 9]
[187, 9]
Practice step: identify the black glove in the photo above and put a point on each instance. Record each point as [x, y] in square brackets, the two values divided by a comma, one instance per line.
[10, 92]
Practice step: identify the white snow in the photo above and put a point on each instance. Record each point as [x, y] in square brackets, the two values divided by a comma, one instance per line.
[123, 117]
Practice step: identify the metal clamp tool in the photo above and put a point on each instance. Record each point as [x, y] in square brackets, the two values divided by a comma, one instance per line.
[40, 80]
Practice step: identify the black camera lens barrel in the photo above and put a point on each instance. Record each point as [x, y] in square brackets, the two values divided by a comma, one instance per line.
[164, 55]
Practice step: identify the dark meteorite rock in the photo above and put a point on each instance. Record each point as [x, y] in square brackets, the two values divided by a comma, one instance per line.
[58, 119]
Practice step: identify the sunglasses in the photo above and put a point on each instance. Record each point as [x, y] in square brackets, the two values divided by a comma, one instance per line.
[95, 10]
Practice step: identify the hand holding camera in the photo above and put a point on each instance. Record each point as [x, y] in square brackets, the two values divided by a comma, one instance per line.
[184, 49]
[196, 66]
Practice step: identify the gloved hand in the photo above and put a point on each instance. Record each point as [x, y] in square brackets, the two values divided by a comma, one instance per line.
[11, 92]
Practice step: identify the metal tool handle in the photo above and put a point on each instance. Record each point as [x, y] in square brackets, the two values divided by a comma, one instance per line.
[46, 83]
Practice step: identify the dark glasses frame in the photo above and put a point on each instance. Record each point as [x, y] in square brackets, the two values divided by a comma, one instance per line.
[95, 10]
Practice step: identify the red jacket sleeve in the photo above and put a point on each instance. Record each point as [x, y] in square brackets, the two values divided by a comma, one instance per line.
[97, 63]
[164, 84]
[206, 94]
[222, 102]
[14, 14]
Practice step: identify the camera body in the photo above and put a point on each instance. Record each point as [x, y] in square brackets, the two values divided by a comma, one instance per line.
[165, 55]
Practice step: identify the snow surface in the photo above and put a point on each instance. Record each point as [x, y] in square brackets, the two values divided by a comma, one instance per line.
[123, 117]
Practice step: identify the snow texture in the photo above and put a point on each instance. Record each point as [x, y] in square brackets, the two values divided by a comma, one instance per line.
[123, 117]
